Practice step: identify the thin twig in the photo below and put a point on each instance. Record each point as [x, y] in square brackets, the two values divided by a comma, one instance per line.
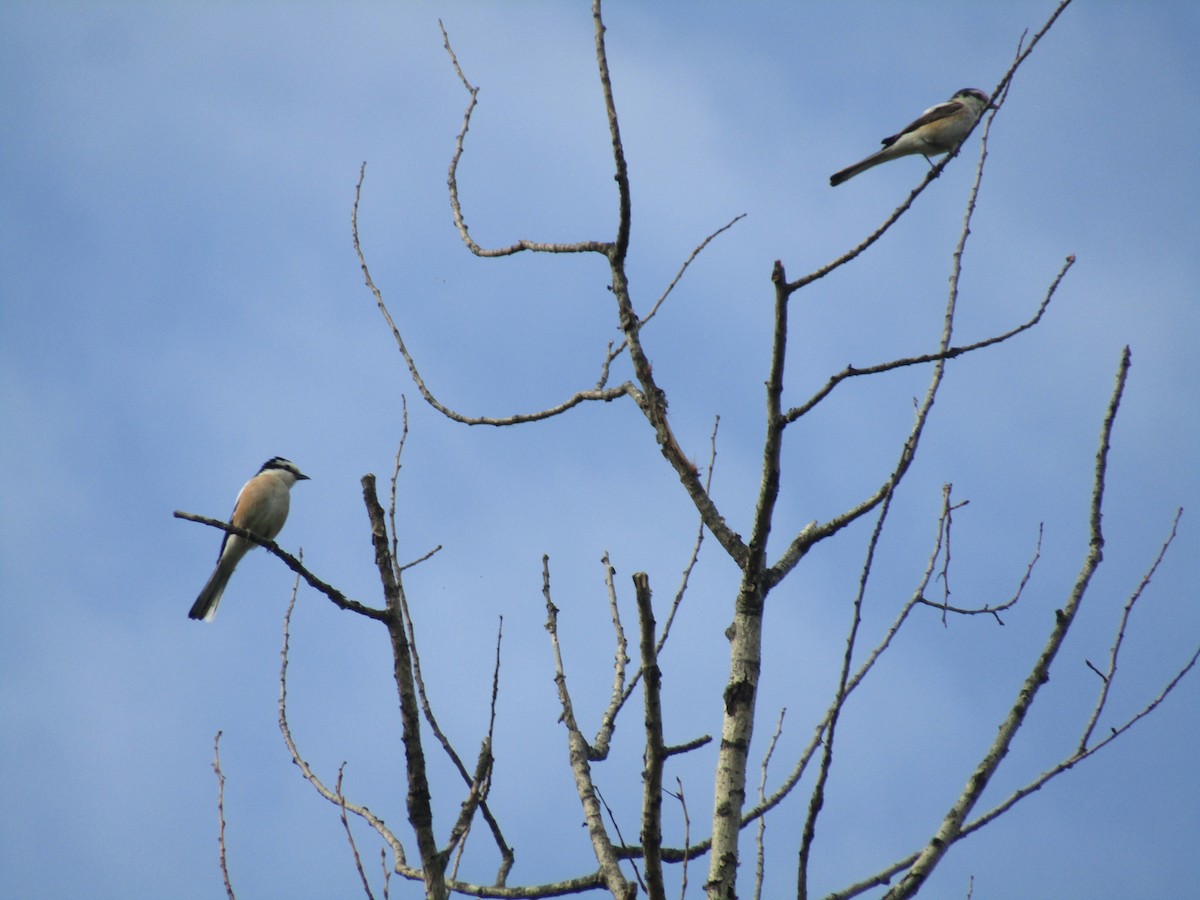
[817, 797]
[605, 394]
[760, 861]
[695, 556]
[398, 856]
[221, 816]
[1110, 675]
[687, 839]
[614, 353]
[349, 834]
[599, 747]
[950, 353]
[452, 181]
[987, 608]
[396, 477]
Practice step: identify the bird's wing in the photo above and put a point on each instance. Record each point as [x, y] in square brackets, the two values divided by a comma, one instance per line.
[233, 515]
[226, 535]
[941, 111]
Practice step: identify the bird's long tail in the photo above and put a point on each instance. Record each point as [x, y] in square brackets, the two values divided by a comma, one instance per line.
[859, 167]
[205, 606]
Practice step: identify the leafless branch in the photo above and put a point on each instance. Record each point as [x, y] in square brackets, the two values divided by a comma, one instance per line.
[480, 784]
[401, 866]
[452, 180]
[578, 751]
[654, 754]
[477, 790]
[687, 832]
[760, 861]
[418, 800]
[599, 747]
[886, 875]
[695, 557]
[396, 477]
[811, 535]
[613, 354]
[987, 608]
[951, 353]
[745, 632]
[952, 823]
[1078, 756]
[605, 394]
[338, 598]
[817, 798]
[1109, 676]
[869, 662]
[221, 816]
[611, 713]
[334, 797]
[350, 835]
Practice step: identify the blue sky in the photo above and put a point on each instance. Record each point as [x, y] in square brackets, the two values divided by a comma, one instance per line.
[179, 301]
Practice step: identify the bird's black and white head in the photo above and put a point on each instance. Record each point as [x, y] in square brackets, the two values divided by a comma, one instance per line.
[972, 97]
[283, 468]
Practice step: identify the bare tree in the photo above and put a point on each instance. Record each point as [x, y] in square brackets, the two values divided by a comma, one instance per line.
[624, 868]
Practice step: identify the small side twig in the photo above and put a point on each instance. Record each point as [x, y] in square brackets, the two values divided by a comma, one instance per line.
[687, 837]
[599, 747]
[614, 353]
[362, 875]
[1107, 677]
[760, 860]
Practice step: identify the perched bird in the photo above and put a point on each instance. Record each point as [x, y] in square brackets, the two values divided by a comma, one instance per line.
[939, 130]
[261, 507]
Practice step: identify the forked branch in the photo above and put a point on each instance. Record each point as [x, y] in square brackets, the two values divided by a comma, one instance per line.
[950, 830]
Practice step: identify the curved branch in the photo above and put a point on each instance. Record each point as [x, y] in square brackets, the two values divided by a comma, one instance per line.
[334, 797]
[452, 181]
[597, 393]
